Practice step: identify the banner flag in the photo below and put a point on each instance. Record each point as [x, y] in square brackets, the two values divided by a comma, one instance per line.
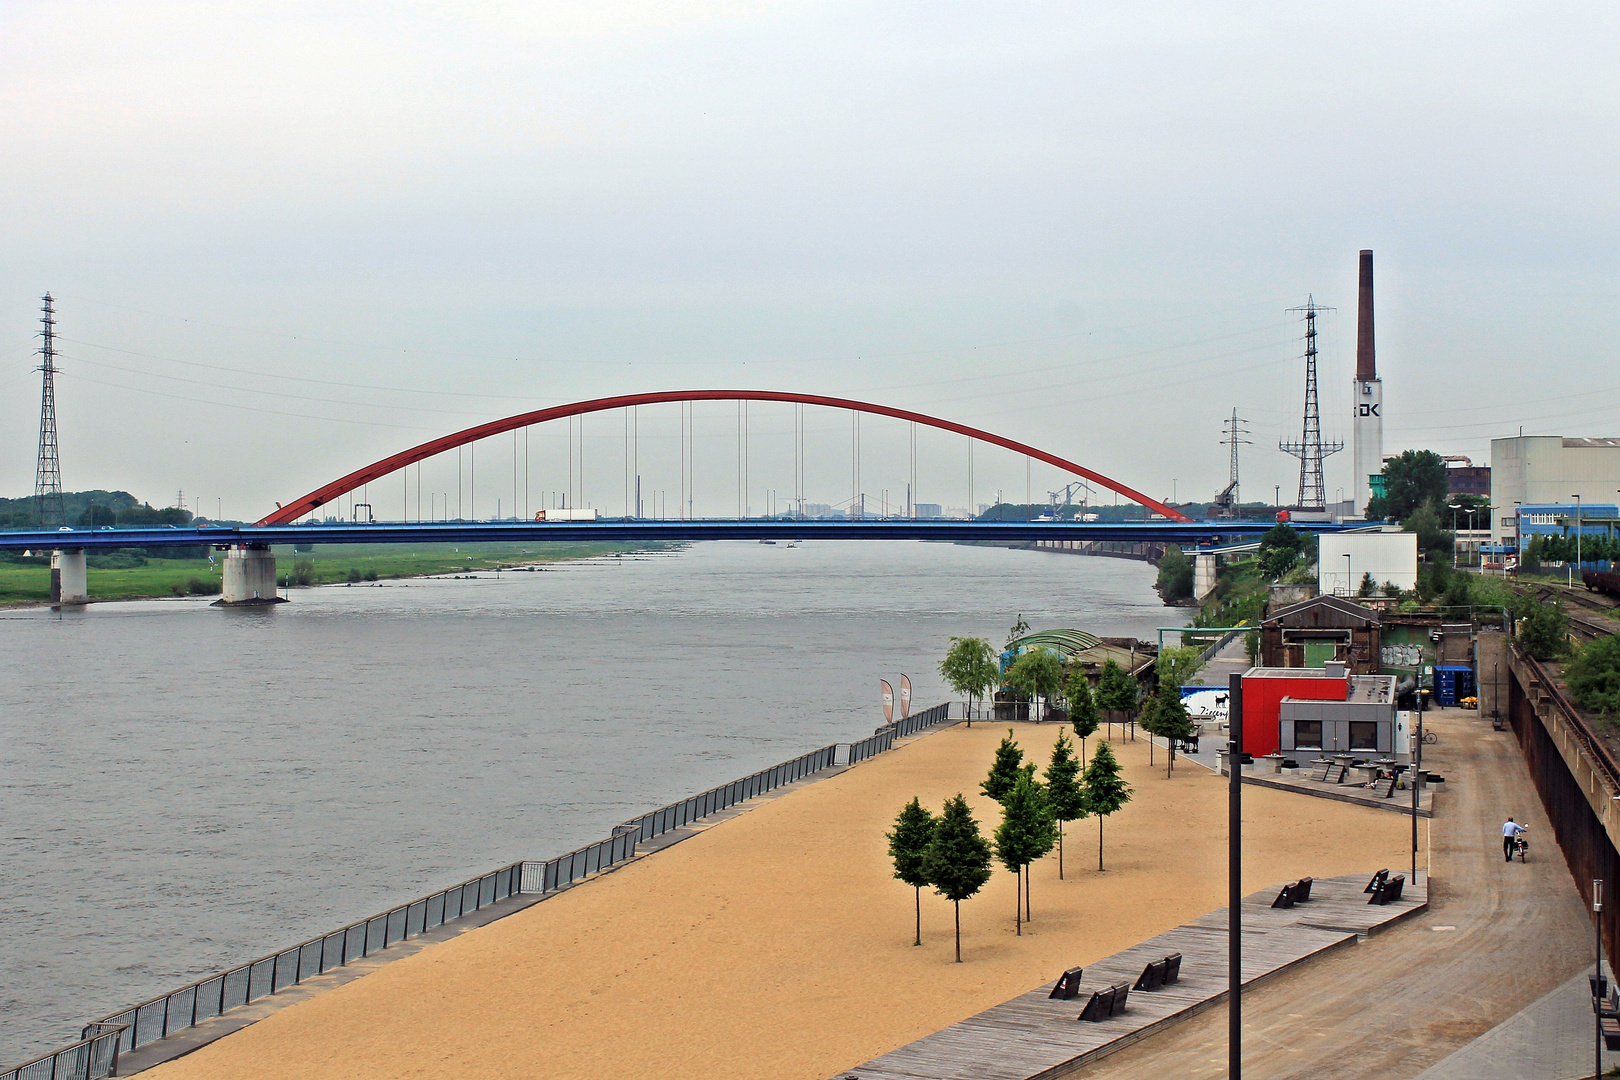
[905, 697]
[888, 701]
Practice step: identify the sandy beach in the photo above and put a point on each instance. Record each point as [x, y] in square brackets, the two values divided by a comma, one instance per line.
[778, 945]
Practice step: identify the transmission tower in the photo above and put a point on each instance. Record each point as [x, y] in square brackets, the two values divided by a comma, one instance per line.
[1311, 449]
[48, 474]
[1226, 503]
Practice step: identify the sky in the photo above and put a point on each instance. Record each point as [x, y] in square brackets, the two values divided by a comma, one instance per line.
[288, 239]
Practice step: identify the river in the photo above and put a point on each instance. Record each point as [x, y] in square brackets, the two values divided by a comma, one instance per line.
[187, 787]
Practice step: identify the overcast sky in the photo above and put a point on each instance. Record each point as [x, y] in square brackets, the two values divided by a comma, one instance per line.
[288, 239]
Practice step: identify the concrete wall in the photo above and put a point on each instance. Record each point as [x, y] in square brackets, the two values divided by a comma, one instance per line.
[1549, 469]
[1387, 556]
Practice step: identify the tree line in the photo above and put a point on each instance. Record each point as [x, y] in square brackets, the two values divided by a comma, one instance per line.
[948, 853]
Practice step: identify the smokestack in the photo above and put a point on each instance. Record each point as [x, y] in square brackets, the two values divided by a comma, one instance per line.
[1366, 364]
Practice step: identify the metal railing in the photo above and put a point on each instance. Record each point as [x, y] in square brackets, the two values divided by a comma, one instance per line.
[95, 1055]
[207, 998]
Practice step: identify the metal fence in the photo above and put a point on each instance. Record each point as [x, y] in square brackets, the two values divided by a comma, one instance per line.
[96, 1054]
[93, 1057]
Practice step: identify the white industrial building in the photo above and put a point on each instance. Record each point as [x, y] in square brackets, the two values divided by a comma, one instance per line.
[1344, 558]
[1538, 470]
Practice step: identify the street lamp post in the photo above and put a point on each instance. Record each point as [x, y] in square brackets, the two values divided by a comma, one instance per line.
[1597, 976]
[1349, 584]
[1518, 542]
[1570, 577]
[1417, 772]
[1454, 508]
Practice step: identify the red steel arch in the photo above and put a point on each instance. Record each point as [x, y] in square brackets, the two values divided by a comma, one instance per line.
[342, 486]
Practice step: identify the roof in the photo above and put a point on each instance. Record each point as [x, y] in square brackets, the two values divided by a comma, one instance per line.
[1578, 444]
[1067, 642]
[1324, 612]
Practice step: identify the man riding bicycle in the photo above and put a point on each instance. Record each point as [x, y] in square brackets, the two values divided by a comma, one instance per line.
[1511, 831]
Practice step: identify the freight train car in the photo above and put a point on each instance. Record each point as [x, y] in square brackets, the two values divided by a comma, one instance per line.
[1601, 581]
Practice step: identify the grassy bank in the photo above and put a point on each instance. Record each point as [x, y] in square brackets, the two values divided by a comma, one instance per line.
[28, 581]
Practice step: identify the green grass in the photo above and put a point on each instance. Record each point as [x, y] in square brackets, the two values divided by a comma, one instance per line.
[28, 581]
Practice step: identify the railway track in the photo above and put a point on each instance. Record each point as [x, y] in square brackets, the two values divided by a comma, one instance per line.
[1582, 627]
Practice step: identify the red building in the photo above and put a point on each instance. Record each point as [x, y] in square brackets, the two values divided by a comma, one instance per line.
[1263, 692]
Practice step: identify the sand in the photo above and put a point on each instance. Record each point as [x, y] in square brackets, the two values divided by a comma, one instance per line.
[778, 945]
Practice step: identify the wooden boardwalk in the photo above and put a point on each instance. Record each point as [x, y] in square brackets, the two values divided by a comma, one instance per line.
[1033, 1037]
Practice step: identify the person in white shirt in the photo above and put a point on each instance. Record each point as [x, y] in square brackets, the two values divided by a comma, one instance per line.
[1510, 832]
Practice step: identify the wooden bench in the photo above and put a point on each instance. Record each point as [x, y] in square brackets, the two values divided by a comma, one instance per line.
[1109, 1001]
[1160, 973]
[1321, 772]
[1378, 879]
[1389, 891]
[1611, 1032]
[1385, 788]
[1296, 892]
[1068, 986]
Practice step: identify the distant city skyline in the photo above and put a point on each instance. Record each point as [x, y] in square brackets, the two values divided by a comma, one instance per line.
[285, 244]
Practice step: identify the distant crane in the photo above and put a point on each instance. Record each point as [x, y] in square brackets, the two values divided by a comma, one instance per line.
[1066, 494]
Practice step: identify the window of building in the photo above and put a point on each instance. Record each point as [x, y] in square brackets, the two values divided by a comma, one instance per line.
[1363, 735]
[1307, 734]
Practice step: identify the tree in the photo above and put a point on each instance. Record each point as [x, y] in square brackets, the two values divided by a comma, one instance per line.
[1063, 790]
[958, 861]
[1171, 721]
[1251, 647]
[1116, 691]
[1027, 831]
[1280, 549]
[1004, 770]
[1175, 582]
[1368, 585]
[970, 669]
[1082, 708]
[908, 846]
[1037, 673]
[1593, 676]
[1543, 629]
[1106, 790]
[1412, 479]
[1018, 629]
[1434, 540]
[1178, 667]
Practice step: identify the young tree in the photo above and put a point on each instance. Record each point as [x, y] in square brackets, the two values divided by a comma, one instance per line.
[1543, 629]
[1179, 666]
[970, 669]
[1004, 770]
[1027, 831]
[1116, 691]
[1037, 673]
[908, 846]
[958, 861]
[1082, 708]
[1106, 790]
[1280, 549]
[1063, 790]
[1369, 587]
[1148, 719]
[1171, 720]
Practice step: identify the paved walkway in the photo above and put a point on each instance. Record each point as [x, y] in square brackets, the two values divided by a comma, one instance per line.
[1498, 939]
[1551, 1040]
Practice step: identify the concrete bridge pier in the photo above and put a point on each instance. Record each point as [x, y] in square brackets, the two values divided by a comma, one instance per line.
[250, 576]
[1203, 575]
[69, 581]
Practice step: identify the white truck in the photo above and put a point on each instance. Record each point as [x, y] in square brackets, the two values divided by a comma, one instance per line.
[566, 515]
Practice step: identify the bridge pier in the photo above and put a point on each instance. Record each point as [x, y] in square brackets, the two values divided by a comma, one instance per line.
[250, 576]
[1203, 575]
[69, 581]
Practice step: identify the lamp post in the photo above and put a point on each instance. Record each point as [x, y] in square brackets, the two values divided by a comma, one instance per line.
[1417, 772]
[1518, 545]
[1597, 977]
[1349, 589]
[1454, 508]
[1570, 577]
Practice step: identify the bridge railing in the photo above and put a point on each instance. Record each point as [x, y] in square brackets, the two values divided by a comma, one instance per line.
[96, 1054]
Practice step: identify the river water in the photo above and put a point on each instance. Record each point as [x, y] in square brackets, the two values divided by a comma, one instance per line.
[183, 787]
